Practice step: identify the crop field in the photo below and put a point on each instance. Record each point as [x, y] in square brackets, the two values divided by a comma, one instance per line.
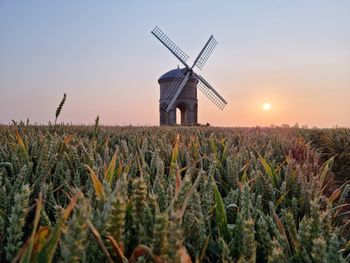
[173, 194]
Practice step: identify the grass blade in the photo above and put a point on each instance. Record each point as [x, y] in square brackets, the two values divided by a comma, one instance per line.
[25, 255]
[97, 184]
[220, 214]
[111, 168]
[47, 252]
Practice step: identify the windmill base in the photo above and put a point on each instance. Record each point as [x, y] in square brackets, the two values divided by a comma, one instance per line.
[188, 115]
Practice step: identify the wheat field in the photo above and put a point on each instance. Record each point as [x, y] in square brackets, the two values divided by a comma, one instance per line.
[170, 194]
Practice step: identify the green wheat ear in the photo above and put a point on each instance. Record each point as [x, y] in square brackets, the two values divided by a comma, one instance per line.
[97, 120]
[17, 219]
[60, 106]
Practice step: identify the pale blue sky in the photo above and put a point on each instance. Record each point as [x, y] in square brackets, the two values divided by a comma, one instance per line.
[293, 54]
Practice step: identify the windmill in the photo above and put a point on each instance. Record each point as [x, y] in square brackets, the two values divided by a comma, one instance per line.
[178, 87]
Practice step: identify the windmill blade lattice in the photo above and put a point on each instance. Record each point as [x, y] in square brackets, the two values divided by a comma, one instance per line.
[205, 53]
[166, 41]
[178, 90]
[211, 93]
[172, 90]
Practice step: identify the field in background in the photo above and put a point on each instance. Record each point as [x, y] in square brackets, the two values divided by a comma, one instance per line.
[200, 194]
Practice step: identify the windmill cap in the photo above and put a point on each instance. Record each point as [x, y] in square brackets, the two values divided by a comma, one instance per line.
[173, 74]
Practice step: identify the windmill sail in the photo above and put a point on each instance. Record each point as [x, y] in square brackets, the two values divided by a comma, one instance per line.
[172, 90]
[205, 53]
[179, 89]
[211, 93]
[174, 49]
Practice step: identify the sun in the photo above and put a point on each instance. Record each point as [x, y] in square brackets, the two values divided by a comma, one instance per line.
[266, 106]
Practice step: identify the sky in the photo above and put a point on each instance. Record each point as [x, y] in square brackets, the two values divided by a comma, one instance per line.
[294, 55]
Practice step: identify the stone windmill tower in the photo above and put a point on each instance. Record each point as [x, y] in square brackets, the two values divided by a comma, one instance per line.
[178, 87]
[186, 102]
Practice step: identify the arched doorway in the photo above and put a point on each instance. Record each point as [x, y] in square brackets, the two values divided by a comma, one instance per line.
[178, 116]
[181, 114]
